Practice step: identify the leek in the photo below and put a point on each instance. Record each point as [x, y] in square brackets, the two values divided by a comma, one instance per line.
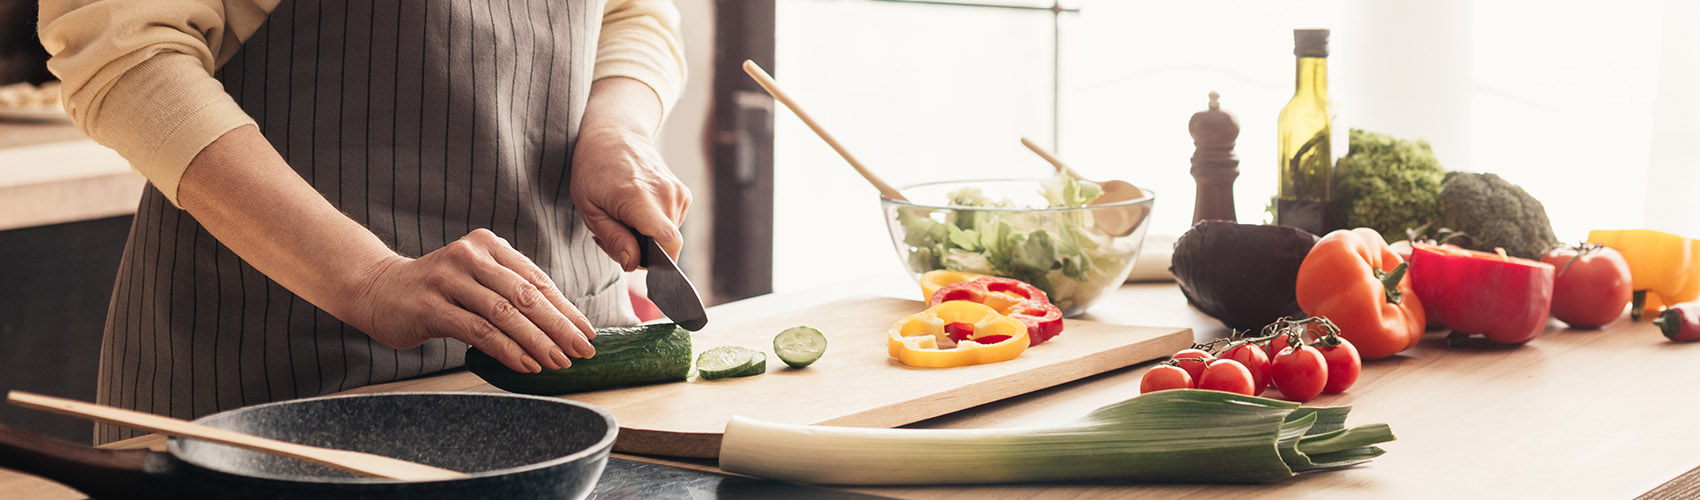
[1182, 435]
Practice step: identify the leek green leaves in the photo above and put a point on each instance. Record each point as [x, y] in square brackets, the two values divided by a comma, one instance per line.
[1194, 436]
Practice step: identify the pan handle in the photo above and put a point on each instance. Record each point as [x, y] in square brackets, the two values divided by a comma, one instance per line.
[97, 472]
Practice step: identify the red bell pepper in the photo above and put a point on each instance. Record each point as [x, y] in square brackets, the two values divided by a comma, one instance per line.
[1504, 298]
[1009, 297]
[1354, 279]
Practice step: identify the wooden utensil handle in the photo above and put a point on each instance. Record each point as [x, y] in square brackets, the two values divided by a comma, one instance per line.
[762, 78]
[363, 463]
[98, 473]
[1052, 159]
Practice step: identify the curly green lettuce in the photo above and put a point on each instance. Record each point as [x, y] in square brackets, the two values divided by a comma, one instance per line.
[1056, 258]
[1387, 184]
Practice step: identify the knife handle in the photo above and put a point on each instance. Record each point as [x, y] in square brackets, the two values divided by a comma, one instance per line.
[644, 243]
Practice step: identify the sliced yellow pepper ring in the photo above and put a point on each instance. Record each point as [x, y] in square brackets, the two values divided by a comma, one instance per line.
[932, 281]
[915, 339]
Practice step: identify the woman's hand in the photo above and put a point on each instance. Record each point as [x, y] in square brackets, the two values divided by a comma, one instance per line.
[619, 182]
[478, 290]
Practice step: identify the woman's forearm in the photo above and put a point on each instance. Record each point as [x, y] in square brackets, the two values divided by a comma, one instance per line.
[625, 103]
[247, 197]
[477, 289]
[619, 181]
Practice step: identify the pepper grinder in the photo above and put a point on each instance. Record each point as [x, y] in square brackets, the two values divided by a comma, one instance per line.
[1214, 164]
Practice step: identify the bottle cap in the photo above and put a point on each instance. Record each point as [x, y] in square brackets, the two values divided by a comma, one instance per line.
[1310, 42]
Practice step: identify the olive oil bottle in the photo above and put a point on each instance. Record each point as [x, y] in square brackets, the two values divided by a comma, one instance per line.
[1302, 200]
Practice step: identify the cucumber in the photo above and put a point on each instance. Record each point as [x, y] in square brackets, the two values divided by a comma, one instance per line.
[729, 361]
[625, 356]
[757, 365]
[799, 346]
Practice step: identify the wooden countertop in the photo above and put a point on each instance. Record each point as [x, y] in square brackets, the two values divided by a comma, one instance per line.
[51, 173]
[1573, 414]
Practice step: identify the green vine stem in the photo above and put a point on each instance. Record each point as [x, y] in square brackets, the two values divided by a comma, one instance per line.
[1292, 329]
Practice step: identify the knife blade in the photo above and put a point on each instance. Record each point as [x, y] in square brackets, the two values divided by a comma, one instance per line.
[669, 289]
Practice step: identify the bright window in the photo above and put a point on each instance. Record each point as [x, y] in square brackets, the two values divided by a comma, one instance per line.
[1590, 109]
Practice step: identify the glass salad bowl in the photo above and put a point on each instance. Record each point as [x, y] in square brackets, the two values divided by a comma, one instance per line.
[1042, 231]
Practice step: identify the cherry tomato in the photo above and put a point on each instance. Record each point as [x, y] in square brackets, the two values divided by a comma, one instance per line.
[1278, 343]
[1164, 377]
[1299, 374]
[1193, 368]
[1254, 360]
[1228, 376]
[1591, 287]
[1275, 346]
[1344, 365]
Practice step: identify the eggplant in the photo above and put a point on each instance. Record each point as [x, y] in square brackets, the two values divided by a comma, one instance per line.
[1242, 274]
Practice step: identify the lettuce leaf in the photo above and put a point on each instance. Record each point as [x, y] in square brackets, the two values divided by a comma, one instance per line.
[1013, 245]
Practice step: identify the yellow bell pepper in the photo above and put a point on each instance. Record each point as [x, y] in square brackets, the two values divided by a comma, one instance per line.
[957, 333]
[1664, 265]
[1690, 287]
[932, 281]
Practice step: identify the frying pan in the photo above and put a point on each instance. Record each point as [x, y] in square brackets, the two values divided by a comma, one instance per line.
[511, 446]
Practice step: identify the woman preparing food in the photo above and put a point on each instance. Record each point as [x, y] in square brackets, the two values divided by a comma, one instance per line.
[348, 194]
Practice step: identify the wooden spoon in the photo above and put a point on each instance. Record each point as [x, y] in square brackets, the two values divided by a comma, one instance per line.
[1116, 222]
[353, 461]
[761, 77]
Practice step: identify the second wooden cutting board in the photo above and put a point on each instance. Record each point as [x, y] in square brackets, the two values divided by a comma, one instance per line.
[856, 383]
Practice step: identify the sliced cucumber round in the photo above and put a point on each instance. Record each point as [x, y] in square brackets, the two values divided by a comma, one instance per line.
[757, 365]
[799, 346]
[725, 361]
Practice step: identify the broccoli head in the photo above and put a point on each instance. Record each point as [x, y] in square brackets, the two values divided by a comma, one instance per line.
[1494, 213]
[1387, 184]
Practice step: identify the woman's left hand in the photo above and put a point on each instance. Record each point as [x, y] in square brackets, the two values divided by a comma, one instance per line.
[619, 182]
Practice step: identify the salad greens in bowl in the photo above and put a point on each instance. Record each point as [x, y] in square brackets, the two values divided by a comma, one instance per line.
[1042, 231]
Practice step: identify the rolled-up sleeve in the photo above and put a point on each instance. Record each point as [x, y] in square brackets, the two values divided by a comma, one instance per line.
[138, 79]
[640, 40]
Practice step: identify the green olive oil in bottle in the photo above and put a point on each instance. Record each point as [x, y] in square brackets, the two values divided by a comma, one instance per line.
[1304, 135]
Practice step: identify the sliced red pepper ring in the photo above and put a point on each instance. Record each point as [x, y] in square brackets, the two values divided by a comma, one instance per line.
[1043, 320]
[1009, 297]
[959, 331]
[985, 336]
[932, 281]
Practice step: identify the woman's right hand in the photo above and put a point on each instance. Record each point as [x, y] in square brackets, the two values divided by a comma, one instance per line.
[478, 290]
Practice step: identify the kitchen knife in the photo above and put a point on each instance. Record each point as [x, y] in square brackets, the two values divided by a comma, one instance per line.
[671, 291]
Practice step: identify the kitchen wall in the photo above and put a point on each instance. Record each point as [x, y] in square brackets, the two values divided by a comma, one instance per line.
[55, 284]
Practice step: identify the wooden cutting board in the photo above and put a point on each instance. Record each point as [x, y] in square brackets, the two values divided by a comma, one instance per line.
[856, 383]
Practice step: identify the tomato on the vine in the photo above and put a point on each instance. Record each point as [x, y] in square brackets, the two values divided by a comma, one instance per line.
[1344, 364]
[1164, 377]
[1300, 374]
[1255, 360]
[1186, 359]
[1592, 284]
[1227, 375]
[1278, 343]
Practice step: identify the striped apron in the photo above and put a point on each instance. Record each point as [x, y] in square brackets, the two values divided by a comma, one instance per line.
[422, 120]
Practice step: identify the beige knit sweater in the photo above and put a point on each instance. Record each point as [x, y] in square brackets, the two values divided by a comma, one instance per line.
[138, 73]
